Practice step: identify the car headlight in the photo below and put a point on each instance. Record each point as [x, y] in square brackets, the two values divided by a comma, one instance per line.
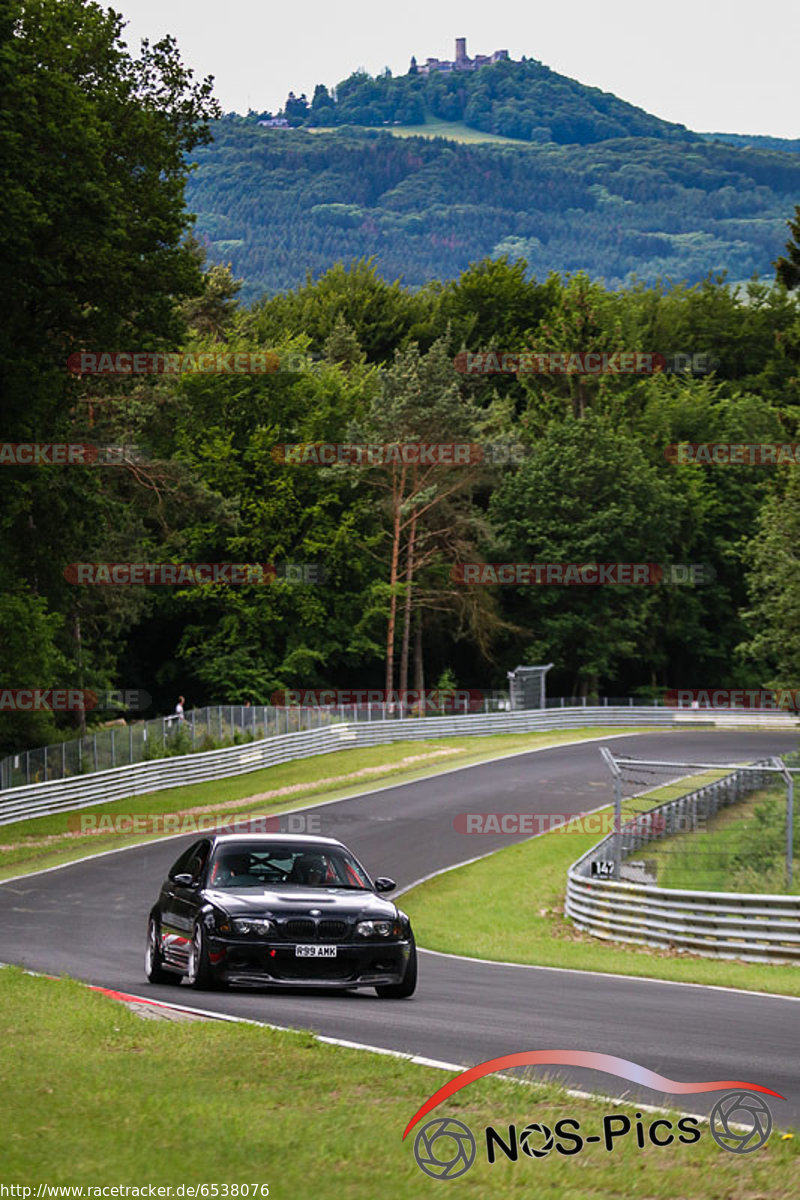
[382, 929]
[253, 926]
[217, 921]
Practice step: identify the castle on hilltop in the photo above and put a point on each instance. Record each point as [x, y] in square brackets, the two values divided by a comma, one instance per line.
[461, 62]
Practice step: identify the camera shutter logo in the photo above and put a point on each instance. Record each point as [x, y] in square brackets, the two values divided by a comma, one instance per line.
[444, 1148]
[527, 1140]
[741, 1108]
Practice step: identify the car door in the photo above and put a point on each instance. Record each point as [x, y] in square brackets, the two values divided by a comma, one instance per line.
[188, 897]
[180, 902]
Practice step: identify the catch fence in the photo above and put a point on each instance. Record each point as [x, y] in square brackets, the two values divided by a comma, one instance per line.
[123, 744]
[701, 859]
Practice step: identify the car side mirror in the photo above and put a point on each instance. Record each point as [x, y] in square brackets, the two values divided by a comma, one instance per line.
[184, 879]
[384, 884]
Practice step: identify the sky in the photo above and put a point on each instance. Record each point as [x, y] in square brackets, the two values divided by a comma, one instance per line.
[715, 67]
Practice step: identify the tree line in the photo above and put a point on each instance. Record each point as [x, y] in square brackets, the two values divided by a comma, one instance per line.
[99, 255]
[525, 100]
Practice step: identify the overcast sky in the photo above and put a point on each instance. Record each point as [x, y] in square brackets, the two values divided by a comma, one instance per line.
[714, 66]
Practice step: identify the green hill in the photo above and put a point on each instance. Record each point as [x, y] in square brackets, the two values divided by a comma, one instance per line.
[523, 100]
[278, 203]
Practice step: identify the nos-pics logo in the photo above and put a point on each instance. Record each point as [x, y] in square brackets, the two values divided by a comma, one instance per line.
[445, 1148]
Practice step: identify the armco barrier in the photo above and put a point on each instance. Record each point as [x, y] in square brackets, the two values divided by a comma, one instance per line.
[746, 926]
[105, 787]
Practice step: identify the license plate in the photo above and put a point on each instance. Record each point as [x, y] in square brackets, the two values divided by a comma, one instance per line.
[315, 951]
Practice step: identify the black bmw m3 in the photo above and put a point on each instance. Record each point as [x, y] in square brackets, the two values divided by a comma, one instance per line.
[278, 910]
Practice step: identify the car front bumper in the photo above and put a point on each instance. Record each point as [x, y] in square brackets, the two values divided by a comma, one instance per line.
[356, 964]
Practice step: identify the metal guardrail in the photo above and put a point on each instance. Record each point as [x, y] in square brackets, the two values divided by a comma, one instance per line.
[105, 787]
[746, 926]
[118, 744]
[751, 927]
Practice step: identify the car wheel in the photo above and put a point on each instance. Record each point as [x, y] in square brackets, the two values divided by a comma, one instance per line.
[399, 991]
[153, 963]
[199, 973]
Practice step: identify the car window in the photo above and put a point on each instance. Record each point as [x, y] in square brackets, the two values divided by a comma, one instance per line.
[182, 864]
[259, 865]
[198, 860]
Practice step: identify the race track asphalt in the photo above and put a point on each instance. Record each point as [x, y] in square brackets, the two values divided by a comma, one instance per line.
[87, 920]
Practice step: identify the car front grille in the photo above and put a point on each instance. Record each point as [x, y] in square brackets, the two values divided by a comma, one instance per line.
[332, 931]
[304, 929]
[300, 928]
[309, 969]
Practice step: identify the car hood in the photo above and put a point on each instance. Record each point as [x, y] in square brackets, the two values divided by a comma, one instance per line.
[279, 902]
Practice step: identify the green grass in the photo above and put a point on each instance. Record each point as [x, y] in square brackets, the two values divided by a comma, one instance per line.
[456, 131]
[97, 1096]
[323, 777]
[520, 892]
[741, 849]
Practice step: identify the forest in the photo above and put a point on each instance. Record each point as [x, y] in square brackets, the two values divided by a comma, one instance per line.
[580, 471]
[277, 204]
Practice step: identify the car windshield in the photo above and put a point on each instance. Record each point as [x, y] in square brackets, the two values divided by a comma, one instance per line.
[260, 865]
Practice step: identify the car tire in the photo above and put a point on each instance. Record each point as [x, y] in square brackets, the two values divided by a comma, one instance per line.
[199, 973]
[407, 987]
[154, 968]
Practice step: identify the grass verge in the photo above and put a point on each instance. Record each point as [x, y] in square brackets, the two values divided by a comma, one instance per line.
[102, 1097]
[42, 842]
[520, 891]
[742, 849]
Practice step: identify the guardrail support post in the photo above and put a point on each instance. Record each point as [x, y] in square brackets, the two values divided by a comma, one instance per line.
[611, 763]
[789, 830]
[787, 775]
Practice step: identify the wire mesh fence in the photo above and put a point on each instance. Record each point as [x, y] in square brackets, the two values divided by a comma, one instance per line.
[704, 827]
[120, 744]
